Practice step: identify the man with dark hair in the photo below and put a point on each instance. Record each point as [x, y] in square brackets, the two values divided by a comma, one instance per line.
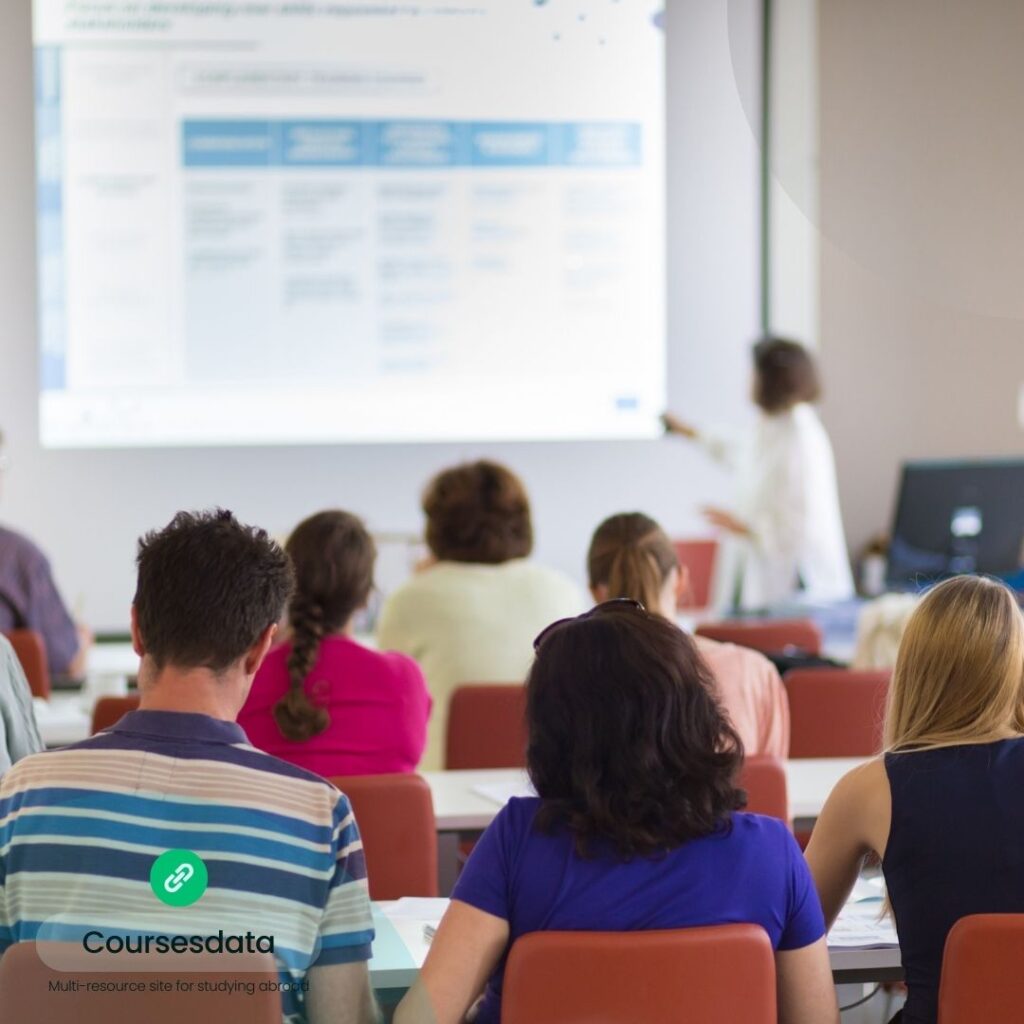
[277, 846]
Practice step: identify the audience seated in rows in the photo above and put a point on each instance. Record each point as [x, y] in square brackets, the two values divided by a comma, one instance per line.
[636, 826]
[19, 735]
[469, 615]
[280, 844]
[631, 556]
[942, 808]
[322, 700]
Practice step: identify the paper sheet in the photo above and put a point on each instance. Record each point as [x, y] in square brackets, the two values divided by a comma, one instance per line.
[502, 792]
[416, 908]
[860, 926]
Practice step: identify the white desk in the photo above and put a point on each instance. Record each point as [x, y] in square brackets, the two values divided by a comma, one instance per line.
[111, 660]
[63, 719]
[67, 716]
[400, 949]
[457, 808]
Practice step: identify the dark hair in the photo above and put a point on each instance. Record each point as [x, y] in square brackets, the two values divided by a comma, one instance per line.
[478, 512]
[208, 587]
[631, 555]
[333, 556]
[627, 742]
[786, 374]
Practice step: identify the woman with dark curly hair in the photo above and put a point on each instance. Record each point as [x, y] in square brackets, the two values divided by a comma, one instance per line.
[322, 700]
[469, 615]
[636, 825]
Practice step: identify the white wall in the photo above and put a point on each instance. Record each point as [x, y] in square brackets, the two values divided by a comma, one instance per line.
[87, 508]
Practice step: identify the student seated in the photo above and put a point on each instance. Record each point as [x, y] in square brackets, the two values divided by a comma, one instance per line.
[942, 807]
[635, 827]
[470, 614]
[322, 700]
[631, 556]
[19, 735]
[280, 845]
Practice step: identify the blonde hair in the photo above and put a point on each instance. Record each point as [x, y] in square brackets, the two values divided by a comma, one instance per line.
[631, 555]
[959, 674]
[880, 627]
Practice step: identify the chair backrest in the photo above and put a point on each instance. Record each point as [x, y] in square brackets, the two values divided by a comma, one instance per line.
[769, 636]
[764, 779]
[716, 975]
[698, 558]
[981, 976]
[395, 815]
[25, 995]
[836, 712]
[487, 727]
[108, 711]
[31, 652]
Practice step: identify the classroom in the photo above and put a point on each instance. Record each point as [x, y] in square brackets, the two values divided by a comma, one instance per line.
[511, 512]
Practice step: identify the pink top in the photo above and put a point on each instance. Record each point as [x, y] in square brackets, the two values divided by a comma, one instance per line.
[378, 703]
[752, 695]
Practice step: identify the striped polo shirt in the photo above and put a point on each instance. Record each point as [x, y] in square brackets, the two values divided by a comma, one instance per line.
[81, 827]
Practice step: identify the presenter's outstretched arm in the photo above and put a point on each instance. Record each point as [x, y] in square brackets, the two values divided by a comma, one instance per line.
[674, 425]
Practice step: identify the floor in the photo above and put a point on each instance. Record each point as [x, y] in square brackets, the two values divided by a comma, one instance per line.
[877, 1010]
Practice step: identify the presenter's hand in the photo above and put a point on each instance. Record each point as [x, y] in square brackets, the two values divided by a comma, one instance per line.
[725, 520]
[674, 425]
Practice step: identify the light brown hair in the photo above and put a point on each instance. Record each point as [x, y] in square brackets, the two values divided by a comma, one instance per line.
[959, 674]
[631, 556]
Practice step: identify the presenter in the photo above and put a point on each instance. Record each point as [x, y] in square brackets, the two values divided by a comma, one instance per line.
[786, 540]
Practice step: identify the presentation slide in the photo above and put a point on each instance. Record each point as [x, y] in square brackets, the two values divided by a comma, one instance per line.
[328, 221]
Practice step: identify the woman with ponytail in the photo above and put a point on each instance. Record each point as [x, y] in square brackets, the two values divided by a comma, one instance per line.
[321, 700]
[631, 556]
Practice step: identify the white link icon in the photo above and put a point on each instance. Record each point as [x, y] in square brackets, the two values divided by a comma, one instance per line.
[174, 882]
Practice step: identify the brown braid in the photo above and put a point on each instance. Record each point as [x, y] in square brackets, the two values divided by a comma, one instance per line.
[296, 715]
[333, 557]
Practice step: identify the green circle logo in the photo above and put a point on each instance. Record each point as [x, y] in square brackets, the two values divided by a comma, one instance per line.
[178, 878]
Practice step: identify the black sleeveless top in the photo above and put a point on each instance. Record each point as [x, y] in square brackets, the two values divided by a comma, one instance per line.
[956, 847]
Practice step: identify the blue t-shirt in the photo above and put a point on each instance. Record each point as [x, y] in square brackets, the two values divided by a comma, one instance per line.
[752, 872]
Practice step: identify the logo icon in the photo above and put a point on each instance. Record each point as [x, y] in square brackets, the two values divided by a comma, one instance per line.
[178, 878]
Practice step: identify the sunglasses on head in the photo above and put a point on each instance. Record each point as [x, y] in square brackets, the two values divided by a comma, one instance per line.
[616, 602]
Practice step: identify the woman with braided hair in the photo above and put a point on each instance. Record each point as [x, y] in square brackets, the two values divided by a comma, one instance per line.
[321, 700]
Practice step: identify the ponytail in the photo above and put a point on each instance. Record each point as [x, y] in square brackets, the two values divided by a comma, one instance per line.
[634, 573]
[297, 717]
[631, 556]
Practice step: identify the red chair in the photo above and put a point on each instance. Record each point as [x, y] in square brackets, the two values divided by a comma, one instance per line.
[769, 636]
[698, 558]
[764, 779]
[836, 712]
[108, 711]
[31, 652]
[981, 976]
[487, 727]
[716, 975]
[395, 815]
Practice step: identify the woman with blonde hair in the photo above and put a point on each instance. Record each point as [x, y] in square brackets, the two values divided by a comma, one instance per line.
[941, 808]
